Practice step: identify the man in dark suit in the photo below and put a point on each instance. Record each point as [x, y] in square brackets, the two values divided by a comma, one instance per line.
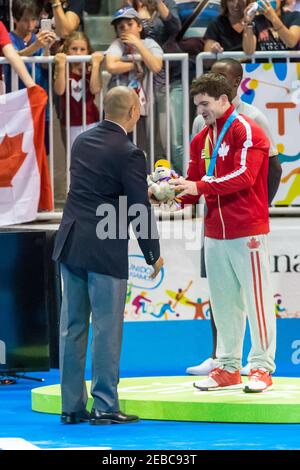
[108, 187]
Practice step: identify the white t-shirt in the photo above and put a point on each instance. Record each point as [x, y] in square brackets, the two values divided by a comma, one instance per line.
[250, 111]
[119, 49]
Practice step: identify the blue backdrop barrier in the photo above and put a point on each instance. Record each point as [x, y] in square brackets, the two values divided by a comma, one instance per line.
[167, 348]
[154, 345]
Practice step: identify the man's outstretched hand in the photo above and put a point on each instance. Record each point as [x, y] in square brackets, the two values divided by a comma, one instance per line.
[157, 267]
[185, 186]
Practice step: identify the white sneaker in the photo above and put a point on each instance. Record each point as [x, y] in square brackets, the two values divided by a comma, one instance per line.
[260, 380]
[220, 378]
[246, 370]
[204, 368]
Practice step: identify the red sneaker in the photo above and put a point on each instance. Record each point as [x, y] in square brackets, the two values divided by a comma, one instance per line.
[260, 380]
[220, 378]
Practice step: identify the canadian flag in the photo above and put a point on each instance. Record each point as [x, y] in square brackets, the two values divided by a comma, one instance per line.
[24, 177]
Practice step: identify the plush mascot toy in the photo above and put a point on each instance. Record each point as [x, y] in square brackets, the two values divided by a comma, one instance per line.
[160, 187]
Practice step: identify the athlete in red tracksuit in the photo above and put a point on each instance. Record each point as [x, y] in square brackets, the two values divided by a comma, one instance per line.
[237, 197]
[236, 227]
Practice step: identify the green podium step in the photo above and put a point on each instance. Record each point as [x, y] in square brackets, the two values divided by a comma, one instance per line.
[175, 398]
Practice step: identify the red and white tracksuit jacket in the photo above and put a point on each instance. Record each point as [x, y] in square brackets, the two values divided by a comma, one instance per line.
[237, 194]
[236, 246]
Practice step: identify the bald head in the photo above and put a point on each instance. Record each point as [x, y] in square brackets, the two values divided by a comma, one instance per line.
[118, 103]
[229, 65]
[232, 70]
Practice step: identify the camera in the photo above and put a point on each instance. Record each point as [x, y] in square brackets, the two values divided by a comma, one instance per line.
[46, 24]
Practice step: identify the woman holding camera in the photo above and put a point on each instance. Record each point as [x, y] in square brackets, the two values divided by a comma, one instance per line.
[225, 33]
[67, 14]
[271, 28]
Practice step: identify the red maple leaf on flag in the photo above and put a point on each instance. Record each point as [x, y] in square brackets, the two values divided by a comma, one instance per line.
[11, 158]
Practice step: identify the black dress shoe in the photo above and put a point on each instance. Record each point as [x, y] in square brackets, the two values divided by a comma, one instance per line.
[117, 417]
[75, 417]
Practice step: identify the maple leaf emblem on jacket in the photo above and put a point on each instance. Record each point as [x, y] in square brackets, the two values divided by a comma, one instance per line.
[11, 158]
[253, 244]
[223, 150]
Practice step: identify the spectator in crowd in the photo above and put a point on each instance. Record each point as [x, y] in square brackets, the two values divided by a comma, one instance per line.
[233, 71]
[27, 43]
[159, 18]
[229, 166]
[78, 44]
[7, 49]
[225, 33]
[67, 15]
[161, 22]
[130, 72]
[272, 29]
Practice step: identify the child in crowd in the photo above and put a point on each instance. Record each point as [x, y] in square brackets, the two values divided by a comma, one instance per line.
[15, 61]
[26, 42]
[125, 70]
[78, 44]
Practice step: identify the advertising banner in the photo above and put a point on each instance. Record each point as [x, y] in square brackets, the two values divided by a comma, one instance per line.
[179, 293]
[274, 88]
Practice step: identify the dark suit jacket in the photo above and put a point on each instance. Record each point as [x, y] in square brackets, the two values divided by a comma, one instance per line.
[105, 165]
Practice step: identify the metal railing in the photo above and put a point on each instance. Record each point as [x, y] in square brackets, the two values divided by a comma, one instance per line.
[288, 55]
[183, 59]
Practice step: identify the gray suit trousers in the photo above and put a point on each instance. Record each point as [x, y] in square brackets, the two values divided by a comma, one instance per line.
[85, 292]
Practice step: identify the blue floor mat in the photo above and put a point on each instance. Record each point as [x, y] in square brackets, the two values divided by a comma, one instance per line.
[45, 431]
